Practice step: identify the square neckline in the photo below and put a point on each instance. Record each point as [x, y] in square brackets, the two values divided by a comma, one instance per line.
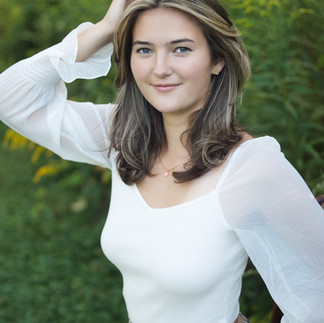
[215, 190]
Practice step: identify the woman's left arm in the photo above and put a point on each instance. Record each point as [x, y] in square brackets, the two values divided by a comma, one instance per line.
[280, 225]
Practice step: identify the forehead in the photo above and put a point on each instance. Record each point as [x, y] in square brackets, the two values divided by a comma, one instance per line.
[160, 24]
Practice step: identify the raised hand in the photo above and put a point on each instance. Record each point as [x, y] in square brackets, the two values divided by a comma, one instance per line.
[102, 32]
[115, 12]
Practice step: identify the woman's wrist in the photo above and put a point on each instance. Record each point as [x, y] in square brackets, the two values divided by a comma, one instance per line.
[93, 39]
[102, 32]
[107, 30]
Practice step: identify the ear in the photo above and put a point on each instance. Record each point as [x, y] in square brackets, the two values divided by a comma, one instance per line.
[218, 67]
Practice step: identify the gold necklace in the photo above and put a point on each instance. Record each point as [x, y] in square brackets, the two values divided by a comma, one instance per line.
[168, 170]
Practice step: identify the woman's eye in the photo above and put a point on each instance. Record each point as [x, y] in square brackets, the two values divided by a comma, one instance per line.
[182, 50]
[143, 51]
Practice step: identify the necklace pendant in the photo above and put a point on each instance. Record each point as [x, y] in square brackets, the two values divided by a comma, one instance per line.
[166, 174]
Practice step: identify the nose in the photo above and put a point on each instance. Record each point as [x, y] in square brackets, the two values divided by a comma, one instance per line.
[162, 64]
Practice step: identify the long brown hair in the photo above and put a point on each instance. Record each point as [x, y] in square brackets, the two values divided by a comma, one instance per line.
[137, 132]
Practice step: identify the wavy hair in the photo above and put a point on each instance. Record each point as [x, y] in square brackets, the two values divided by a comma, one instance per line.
[137, 132]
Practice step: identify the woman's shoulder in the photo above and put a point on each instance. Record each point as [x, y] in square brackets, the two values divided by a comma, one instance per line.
[256, 159]
[257, 145]
[252, 148]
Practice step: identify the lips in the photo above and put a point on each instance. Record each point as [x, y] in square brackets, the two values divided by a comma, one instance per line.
[166, 87]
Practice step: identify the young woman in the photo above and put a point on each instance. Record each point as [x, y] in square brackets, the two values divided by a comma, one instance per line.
[193, 195]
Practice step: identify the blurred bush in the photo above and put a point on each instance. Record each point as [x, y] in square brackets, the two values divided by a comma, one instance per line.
[28, 27]
[285, 96]
[52, 267]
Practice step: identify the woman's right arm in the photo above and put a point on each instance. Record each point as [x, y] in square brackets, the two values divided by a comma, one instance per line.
[101, 33]
[33, 96]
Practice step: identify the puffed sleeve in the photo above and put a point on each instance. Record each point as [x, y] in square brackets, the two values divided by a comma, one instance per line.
[33, 101]
[281, 226]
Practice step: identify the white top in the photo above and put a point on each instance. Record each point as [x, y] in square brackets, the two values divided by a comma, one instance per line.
[181, 264]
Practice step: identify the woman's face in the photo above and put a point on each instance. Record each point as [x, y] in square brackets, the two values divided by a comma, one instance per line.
[171, 61]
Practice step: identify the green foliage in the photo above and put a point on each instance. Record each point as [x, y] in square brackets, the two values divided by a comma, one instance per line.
[255, 301]
[28, 27]
[52, 268]
[285, 96]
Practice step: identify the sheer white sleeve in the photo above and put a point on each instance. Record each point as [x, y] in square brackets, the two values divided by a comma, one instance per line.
[33, 101]
[281, 226]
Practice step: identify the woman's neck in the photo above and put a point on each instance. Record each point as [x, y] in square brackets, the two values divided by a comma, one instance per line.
[175, 138]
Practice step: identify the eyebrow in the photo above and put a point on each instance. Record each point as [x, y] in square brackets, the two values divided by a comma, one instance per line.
[177, 41]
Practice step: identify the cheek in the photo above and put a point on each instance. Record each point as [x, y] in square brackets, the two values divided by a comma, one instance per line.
[198, 69]
[138, 69]
[133, 67]
[200, 77]
[140, 76]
